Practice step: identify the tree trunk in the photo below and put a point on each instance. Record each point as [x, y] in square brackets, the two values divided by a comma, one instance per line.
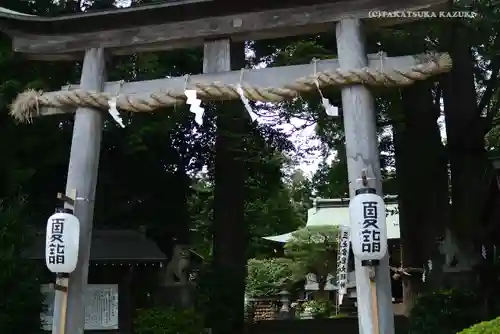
[488, 273]
[422, 179]
[466, 147]
[182, 228]
[229, 231]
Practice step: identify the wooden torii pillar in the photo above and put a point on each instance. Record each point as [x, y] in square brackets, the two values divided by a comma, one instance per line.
[159, 28]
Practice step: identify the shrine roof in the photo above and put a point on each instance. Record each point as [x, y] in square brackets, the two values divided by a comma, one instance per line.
[111, 245]
[335, 212]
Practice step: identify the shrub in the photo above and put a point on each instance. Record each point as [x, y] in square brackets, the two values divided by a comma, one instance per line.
[445, 312]
[320, 309]
[168, 321]
[485, 327]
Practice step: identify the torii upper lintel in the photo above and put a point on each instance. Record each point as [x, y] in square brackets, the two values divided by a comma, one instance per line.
[187, 23]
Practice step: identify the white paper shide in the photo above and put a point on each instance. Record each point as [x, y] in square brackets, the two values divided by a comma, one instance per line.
[368, 227]
[62, 242]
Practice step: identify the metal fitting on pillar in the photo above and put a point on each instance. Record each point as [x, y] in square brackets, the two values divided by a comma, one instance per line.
[370, 263]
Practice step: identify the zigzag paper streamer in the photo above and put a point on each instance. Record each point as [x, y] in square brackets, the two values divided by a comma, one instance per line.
[113, 111]
[195, 105]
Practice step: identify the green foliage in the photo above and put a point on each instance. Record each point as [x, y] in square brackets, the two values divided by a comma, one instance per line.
[485, 327]
[313, 249]
[300, 193]
[168, 321]
[319, 309]
[225, 304]
[330, 180]
[268, 277]
[21, 302]
[445, 312]
[273, 206]
[205, 282]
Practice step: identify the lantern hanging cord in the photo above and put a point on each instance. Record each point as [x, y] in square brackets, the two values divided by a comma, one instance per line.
[28, 104]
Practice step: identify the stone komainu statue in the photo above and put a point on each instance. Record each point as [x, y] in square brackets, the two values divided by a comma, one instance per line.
[176, 270]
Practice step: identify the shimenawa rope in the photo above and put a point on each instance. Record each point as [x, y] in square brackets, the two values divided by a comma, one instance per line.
[28, 104]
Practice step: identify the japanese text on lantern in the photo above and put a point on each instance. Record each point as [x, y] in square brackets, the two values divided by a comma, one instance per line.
[56, 246]
[342, 260]
[370, 232]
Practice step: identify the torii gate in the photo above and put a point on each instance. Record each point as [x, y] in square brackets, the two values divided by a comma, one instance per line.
[188, 23]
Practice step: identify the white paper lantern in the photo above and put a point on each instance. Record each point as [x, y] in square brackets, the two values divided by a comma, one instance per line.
[368, 226]
[62, 242]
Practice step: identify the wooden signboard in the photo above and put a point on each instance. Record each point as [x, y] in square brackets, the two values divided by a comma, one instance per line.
[101, 307]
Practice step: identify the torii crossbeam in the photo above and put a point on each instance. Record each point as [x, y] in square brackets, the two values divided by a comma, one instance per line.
[272, 84]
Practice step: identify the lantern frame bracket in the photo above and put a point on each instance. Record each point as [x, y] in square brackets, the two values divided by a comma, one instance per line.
[60, 287]
[370, 263]
[68, 199]
[364, 178]
[366, 190]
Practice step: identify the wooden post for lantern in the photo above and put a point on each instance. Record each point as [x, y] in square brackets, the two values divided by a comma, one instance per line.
[69, 307]
[60, 305]
[62, 280]
[374, 306]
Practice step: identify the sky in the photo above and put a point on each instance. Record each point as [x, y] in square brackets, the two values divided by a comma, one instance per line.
[302, 138]
[307, 136]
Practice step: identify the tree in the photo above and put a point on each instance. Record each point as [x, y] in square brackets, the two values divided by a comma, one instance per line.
[21, 302]
[423, 214]
[268, 277]
[470, 111]
[314, 249]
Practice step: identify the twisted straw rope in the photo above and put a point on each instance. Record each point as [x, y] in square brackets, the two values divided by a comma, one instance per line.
[28, 103]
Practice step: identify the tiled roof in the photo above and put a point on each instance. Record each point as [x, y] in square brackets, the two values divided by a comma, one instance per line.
[110, 245]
